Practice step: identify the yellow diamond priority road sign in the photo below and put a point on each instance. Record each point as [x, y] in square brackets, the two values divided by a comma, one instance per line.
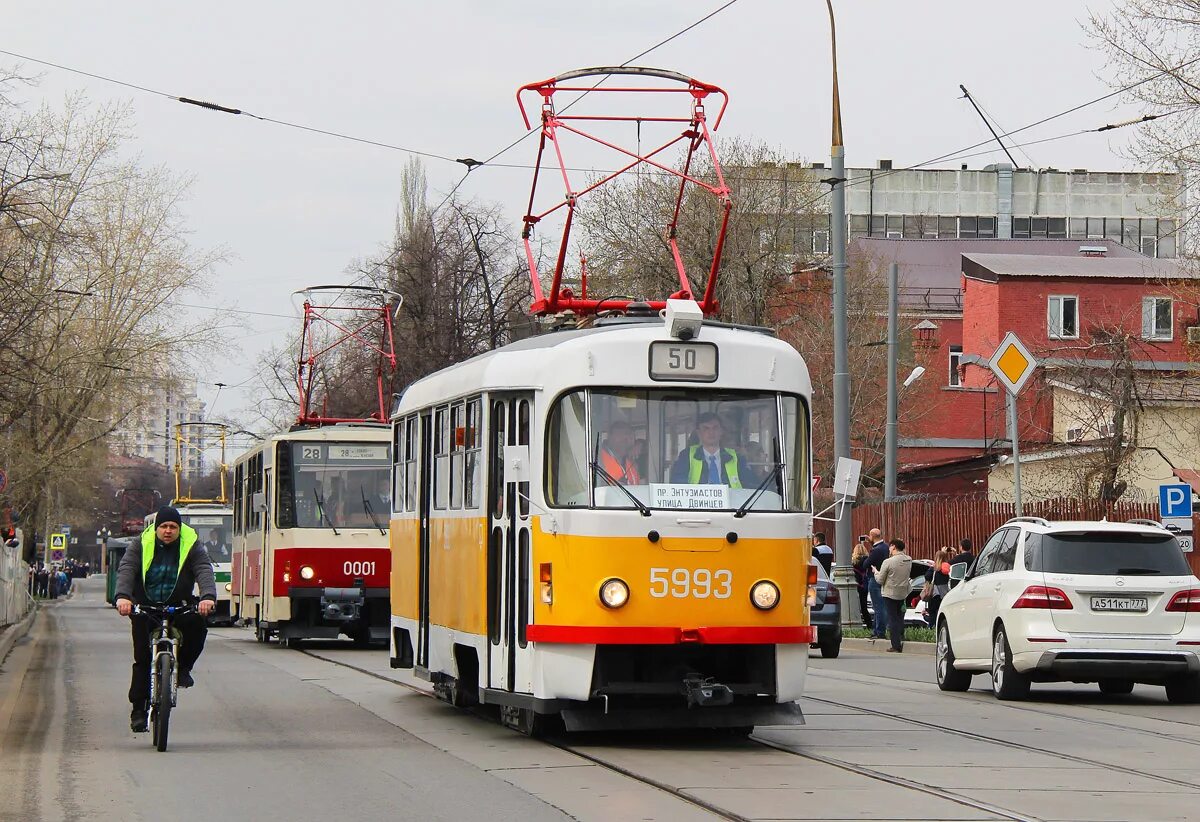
[1012, 363]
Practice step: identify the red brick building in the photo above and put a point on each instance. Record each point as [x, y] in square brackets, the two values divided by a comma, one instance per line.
[960, 297]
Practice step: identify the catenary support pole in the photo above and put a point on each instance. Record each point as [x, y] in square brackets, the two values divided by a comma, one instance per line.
[889, 469]
[843, 576]
[1016, 449]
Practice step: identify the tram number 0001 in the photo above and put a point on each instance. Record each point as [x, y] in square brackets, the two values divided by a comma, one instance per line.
[358, 569]
[682, 583]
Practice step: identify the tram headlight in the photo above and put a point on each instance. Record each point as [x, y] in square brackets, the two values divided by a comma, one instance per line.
[764, 595]
[228, 586]
[614, 593]
[307, 572]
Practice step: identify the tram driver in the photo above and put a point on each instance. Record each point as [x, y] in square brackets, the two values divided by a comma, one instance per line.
[617, 456]
[708, 463]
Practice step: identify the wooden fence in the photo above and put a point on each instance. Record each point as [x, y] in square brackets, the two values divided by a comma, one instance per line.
[927, 524]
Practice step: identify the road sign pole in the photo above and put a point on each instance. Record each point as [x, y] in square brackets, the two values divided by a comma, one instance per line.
[1016, 449]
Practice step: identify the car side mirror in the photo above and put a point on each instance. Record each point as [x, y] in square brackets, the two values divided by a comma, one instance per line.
[958, 572]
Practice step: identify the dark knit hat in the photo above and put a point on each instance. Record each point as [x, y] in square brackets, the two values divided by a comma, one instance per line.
[167, 514]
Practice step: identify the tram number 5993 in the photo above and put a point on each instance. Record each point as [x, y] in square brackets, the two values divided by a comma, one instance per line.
[682, 583]
[358, 569]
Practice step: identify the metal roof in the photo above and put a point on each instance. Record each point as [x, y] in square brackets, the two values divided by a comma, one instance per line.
[990, 267]
[930, 270]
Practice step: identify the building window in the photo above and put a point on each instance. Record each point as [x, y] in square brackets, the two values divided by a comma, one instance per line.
[955, 380]
[1150, 246]
[1062, 319]
[820, 244]
[1157, 318]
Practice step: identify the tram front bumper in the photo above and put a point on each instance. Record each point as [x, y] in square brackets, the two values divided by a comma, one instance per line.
[342, 604]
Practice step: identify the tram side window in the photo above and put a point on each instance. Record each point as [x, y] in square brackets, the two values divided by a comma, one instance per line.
[411, 474]
[398, 467]
[496, 469]
[566, 466]
[799, 470]
[441, 458]
[473, 444]
[237, 499]
[458, 436]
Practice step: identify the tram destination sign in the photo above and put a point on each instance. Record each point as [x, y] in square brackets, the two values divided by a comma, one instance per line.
[689, 497]
[684, 362]
[320, 452]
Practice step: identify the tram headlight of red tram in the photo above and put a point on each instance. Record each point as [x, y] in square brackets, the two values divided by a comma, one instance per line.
[764, 595]
[307, 572]
[614, 593]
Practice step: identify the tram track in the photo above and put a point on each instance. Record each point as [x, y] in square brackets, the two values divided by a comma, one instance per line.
[1026, 708]
[1007, 743]
[696, 802]
[922, 788]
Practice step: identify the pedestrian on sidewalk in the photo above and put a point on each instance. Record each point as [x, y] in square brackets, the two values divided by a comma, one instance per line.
[938, 576]
[966, 554]
[879, 554]
[860, 560]
[894, 583]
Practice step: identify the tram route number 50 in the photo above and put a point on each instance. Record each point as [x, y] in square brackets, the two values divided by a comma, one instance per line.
[682, 583]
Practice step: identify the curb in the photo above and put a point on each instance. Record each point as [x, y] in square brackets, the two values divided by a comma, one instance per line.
[880, 646]
[9, 638]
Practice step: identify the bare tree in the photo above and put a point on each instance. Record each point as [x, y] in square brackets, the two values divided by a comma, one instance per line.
[92, 255]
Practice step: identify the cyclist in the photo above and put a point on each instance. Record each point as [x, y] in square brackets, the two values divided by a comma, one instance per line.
[162, 568]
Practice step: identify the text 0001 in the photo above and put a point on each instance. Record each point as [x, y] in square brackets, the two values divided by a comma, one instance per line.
[689, 362]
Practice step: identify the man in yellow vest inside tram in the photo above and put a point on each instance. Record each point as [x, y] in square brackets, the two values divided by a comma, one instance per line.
[708, 463]
[161, 569]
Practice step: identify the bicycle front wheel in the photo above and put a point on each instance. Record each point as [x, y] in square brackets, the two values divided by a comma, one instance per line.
[164, 675]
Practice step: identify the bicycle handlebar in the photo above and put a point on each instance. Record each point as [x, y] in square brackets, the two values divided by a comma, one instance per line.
[163, 610]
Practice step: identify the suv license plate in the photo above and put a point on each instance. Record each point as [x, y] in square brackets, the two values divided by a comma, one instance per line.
[1139, 604]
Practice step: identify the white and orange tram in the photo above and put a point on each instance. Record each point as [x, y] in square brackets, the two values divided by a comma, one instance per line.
[609, 527]
[310, 544]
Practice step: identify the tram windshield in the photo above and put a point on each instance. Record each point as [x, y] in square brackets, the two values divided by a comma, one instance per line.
[683, 449]
[334, 485]
[213, 529]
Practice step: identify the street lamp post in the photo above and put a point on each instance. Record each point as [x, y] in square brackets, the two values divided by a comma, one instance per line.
[843, 575]
[102, 538]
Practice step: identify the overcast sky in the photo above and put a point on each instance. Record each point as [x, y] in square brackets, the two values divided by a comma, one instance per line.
[295, 208]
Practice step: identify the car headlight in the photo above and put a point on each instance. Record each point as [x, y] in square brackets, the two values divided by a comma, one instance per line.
[614, 593]
[307, 572]
[228, 586]
[764, 595]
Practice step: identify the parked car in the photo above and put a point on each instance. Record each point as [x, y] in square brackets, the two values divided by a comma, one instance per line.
[825, 613]
[1106, 602]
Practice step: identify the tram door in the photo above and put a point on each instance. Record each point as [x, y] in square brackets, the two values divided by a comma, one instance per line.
[424, 504]
[509, 583]
[267, 561]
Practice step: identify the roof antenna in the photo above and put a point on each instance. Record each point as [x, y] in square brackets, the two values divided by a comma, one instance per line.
[967, 94]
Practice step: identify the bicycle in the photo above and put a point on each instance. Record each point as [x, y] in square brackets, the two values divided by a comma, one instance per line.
[164, 685]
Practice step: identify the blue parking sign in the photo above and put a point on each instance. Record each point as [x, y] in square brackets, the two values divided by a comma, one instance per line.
[1175, 500]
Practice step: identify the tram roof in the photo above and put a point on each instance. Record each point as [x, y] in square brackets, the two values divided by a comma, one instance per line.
[610, 354]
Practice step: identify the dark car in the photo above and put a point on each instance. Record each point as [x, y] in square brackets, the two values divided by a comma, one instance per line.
[826, 615]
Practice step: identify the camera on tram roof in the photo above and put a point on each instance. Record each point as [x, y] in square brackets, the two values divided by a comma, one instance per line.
[683, 318]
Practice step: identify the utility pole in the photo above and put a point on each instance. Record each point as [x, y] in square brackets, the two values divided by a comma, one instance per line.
[843, 576]
[889, 459]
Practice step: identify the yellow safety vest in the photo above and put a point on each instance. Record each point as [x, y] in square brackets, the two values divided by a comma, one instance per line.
[187, 538]
[697, 466]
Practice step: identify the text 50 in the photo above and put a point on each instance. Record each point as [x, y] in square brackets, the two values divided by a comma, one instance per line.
[358, 569]
[683, 582]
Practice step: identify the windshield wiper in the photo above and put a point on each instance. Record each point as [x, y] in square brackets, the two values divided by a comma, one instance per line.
[368, 509]
[611, 480]
[762, 486]
[321, 509]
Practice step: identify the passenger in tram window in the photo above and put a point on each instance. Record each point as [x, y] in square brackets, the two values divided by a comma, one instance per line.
[617, 454]
[708, 462]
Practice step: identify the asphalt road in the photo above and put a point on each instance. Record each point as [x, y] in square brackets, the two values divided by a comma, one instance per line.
[332, 732]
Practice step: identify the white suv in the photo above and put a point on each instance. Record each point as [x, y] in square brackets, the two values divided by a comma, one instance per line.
[1107, 602]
